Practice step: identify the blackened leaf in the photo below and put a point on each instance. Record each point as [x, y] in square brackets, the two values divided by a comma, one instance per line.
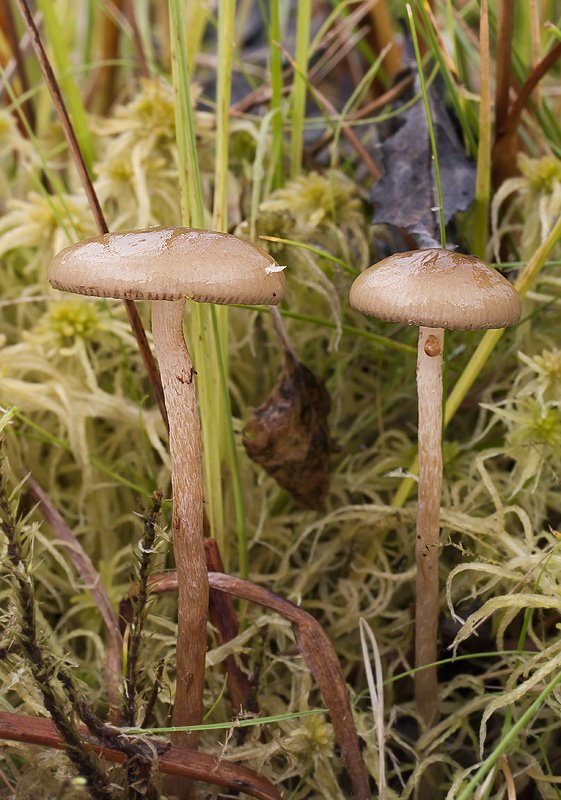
[288, 434]
[406, 193]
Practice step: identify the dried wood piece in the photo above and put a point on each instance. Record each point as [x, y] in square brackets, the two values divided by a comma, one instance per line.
[288, 435]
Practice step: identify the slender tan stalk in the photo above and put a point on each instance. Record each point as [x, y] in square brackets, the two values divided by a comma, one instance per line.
[429, 389]
[505, 31]
[187, 521]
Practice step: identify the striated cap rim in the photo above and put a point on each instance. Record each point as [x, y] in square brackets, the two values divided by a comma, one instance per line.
[169, 264]
[437, 289]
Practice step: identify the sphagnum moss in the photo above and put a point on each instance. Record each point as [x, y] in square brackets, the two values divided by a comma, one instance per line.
[319, 559]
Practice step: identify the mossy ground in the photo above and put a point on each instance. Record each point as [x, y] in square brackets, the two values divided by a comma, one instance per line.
[90, 433]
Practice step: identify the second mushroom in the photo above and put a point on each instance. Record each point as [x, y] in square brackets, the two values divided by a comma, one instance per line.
[435, 289]
[166, 266]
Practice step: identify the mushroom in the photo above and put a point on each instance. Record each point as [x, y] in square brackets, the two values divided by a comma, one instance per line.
[434, 289]
[167, 265]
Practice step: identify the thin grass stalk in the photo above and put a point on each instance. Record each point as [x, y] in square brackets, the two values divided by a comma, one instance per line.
[192, 206]
[483, 352]
[432, 42]
[223, 431]
[55, 33]
[340, 10]
[483, 178]
[354, 100]
[431, 128]
[507, 724]
[226, 15]
[329, 113]
[192, 214]
[243, 552]
[139, 50]
[196, 18]
[226, 23]
[506, 741]
[452, 34]
[354, 273]
[534, 13]
[17, 54]
[277, 125]
[258, 168]
[382, 342]
[303, 23]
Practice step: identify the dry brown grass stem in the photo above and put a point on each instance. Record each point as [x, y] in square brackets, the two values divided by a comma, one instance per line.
[503, 71]
[92, 583]
[85, 178]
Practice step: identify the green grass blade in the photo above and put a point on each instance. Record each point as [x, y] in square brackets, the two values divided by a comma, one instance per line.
[300, 86]
[192, 206]
[429, 122]
[461, 112]
[55, 33]
[277, 129]
[506, 741]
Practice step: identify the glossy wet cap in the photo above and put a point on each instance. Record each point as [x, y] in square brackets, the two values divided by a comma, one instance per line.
[169, 264]
[437, 289]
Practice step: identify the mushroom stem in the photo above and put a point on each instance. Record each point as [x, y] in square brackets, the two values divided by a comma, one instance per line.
[429, 389]
[187, 521]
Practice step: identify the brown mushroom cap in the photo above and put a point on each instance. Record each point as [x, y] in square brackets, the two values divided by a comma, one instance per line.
[437, 289]
[169, 264]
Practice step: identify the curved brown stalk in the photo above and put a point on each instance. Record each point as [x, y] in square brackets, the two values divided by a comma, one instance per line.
[317, 651]
[178, 761]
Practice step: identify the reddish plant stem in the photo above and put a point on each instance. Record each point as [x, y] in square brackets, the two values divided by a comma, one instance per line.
[70, 134]
[12, 36]
[503, 69]
[316, 650]
[178, 761]
[223, 617]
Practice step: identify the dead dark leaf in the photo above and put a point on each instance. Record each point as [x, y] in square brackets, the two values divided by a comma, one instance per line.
[406, 194]
[288, 434]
